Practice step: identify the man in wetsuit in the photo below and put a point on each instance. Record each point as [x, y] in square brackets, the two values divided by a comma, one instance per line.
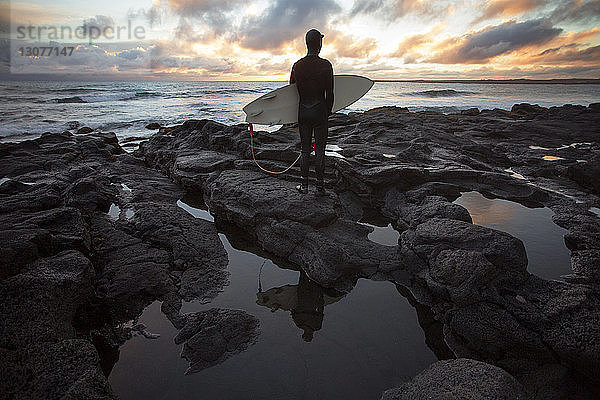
[313, 77]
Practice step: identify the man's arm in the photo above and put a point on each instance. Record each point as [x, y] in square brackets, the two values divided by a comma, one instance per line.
[329, 89]
[293, 75]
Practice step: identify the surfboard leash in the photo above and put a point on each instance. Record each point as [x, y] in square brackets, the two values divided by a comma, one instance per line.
[256, 162]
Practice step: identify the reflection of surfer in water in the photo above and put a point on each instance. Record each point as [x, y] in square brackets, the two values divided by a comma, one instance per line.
[313, 77]
[305, 301]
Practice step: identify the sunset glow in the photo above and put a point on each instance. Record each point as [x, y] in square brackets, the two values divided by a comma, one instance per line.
[259, 40]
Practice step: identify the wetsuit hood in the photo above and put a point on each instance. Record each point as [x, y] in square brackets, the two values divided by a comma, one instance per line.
[313, 40]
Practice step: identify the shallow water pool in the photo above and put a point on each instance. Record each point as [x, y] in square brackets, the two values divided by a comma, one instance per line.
[362, 343]
[548, 256]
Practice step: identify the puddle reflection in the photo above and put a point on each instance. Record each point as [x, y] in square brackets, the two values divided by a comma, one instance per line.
[305, 302]
[314, 342]
[548, 256]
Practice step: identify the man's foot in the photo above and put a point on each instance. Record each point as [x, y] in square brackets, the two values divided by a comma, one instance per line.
[321, 191]
[302, 188]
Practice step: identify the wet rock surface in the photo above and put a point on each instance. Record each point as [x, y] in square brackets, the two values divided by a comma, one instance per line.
[96, 233]
[459, 379]
[73, 274]
[210, 337]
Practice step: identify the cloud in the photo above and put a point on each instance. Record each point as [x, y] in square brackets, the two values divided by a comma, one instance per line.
[391, 10]
[84, 59]
[280, 24]
[213, 14]
[562, 72]
[342, 45]
[268, 67]
[138, 53]
[576, 38]
[185, 31]
[90, 59]
[572, 48]
[205, 65]
[480, 46]
[409, 46]
[201, 8]
[555, 49]
[577, 11]
[507, 8]
[285, 21]
[4, 18]
[153, 15]
[568, 55]
[254, 39]
[410, 43]
[97, 25]
[17, 13]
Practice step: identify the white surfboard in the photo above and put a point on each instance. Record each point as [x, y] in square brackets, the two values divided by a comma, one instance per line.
[281, 105]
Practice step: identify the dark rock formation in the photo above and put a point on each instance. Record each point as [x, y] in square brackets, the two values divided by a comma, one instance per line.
[527, 110]
[210, 337]
[84, 130]
[91, 235]
[470, 111]
[72, 272]
[153, 125]
[410, 166]
[459, 379]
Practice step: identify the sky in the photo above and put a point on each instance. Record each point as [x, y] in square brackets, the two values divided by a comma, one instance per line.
[261, 39]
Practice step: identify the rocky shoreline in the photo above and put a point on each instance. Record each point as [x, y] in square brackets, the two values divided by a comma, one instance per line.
[91, 235]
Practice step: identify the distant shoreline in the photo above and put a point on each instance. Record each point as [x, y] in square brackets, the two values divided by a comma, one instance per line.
[499, 81]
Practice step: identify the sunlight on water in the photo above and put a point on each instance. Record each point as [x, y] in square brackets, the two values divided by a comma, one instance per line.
[196, 212]
[552, 158]
[114, 211]
[515, 174]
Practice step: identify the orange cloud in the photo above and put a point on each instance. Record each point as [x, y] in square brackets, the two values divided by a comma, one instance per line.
[348, 46]
[574, 38]
[481, 46]
[567, 55]
[507, 8]
[409, 46]
[410, 43]
[572, 48]
[394, 9]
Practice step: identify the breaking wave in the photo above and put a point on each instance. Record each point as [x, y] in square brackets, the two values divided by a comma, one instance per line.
[441, 93]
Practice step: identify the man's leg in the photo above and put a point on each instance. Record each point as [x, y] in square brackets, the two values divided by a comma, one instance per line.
[305, 141]
[320, 143]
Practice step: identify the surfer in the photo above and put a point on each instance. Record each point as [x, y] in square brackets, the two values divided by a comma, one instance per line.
[313, 77]
[305, 301]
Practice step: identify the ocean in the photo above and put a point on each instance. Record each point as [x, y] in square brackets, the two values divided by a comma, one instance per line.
[30, 108]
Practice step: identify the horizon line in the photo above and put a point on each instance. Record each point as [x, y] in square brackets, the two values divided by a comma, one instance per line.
[7, 77]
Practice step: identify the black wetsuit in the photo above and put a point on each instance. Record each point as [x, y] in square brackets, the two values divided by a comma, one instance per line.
[313, 77]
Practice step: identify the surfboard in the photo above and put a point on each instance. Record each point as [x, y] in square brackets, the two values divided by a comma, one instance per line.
[281, 105]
